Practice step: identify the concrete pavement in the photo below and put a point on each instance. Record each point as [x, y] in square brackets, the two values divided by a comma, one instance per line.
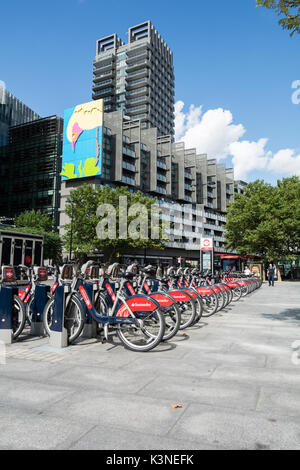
[233, 374]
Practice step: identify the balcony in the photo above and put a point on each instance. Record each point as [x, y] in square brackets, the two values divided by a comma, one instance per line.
[138, 91]
[101, 76]
[161, 190]
[138, 64]
[161, 178]
[128, 166]
[133, 83]
[102, 92]
[161, 165]
[188, 175]
[102, 84]
[139, 100]
[137, 109]
[138, 74]
[128, 180]
[128, 152]
[107, 58]
[133, 55]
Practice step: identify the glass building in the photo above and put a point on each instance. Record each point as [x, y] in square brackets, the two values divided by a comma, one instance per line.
[137, 77]
[12, 113]
[30, 167]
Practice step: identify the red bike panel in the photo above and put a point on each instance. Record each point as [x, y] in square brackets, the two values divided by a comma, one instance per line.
[204, 290]
[216, 289]
[136, 304]
[163, 300]
[191, 292]
[232, 284]
[180, 296]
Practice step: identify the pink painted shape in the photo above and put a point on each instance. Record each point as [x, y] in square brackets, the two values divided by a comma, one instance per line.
[77, 131]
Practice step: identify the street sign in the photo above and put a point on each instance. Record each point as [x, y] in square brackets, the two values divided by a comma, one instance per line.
[206, 244]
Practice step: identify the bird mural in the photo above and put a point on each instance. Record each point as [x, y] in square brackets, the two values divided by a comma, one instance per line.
[87, 119]
[76, 133]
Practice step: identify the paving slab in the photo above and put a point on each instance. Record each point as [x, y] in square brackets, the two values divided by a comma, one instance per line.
[152, 415]
[235, 430]
[232, 373]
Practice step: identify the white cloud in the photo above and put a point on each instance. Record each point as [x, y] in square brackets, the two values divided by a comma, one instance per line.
[248, 156]
[211, 132]
[285, 162]
[214, 133]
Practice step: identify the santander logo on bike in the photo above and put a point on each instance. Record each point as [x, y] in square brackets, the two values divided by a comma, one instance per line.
[85, 297]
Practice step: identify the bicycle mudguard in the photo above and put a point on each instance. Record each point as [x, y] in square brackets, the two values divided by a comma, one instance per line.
[232, 284]
[180, 295]
[137, 303]
[204, 290]
[216, 289]
[191, 292]
[163, 299]
[225, 286]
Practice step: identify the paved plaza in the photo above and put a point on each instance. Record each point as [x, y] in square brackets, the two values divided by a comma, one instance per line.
[233, 374]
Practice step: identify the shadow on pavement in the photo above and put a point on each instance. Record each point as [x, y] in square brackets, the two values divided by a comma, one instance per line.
[285, 315]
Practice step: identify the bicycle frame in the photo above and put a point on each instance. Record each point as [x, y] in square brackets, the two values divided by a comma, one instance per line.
[125, 313]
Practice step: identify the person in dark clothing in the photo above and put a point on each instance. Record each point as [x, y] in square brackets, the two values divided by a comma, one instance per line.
[271, 274]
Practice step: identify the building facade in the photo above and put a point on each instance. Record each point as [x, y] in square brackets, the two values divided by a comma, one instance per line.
[193, 191]
[137, 77]
[30, 167]
[12, 113]
[240, 186]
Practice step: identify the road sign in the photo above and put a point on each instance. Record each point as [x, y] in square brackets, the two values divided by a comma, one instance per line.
[206, 244]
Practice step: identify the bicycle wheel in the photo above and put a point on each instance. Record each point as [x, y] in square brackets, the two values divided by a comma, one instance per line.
[145, 334]
[210, 305]
[221, 300]
[237, 293]
[18, 317]
[199, 310]
[28, 306]
[188, 313]
[73, 318]
[171, 313]
[29, 311]
[172, 321]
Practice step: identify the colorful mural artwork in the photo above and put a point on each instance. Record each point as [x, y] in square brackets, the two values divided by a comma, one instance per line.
[82, 144]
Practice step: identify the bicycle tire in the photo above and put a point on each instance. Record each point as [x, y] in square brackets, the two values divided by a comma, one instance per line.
[68, 319]
[28, 308]
[210, 305]
[18, 317]
[156, 317]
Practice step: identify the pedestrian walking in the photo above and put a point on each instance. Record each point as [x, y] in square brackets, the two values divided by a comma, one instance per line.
[247, 271]
[271, 274]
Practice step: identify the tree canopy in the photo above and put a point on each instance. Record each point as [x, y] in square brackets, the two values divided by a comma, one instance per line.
[34, 219]
[36, 222]
[265, 220]
[83, 209]
[288, 10]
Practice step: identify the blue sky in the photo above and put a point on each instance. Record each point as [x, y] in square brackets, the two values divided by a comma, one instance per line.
[227, 54]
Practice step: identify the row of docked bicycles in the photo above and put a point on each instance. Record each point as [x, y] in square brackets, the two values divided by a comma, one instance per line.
[142, 305]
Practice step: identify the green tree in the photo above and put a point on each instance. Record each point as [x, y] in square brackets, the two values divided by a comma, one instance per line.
[265, 220]
[288, 10]
[36, 222]
[82, 210]
[34, 219]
